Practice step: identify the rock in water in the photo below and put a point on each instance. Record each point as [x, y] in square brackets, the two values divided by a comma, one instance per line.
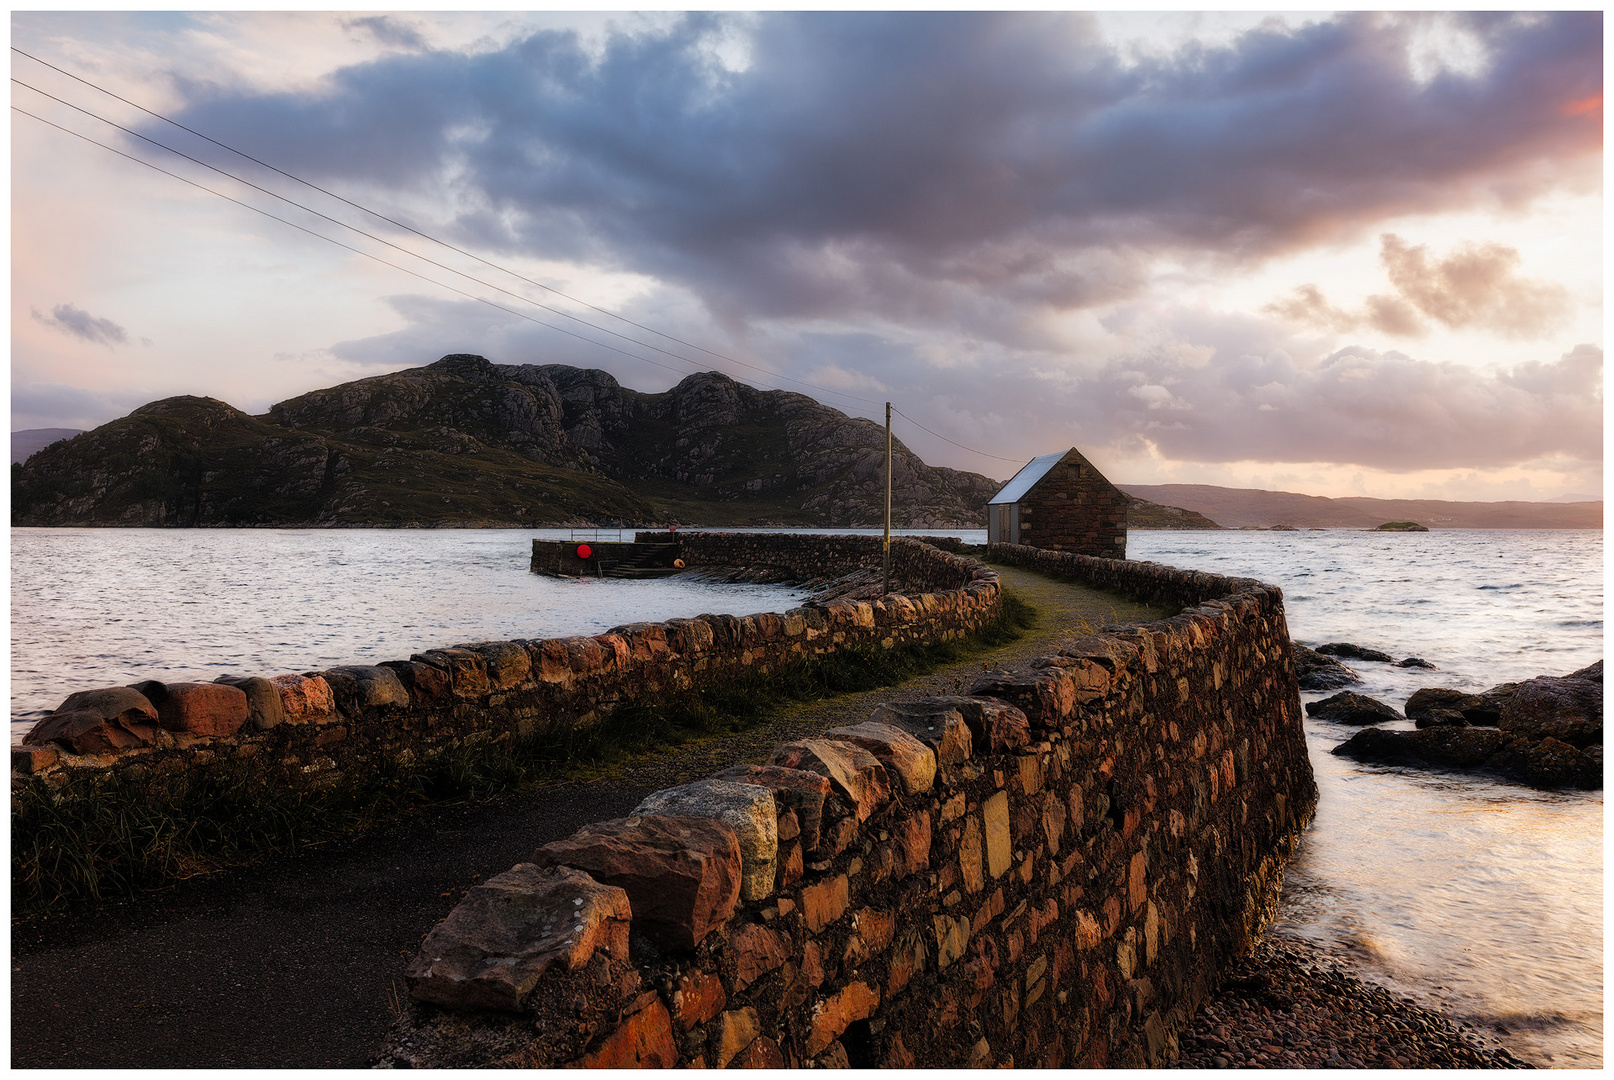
[1550, 733]
[1355, 652]
[1318, 672]
[1349, 708]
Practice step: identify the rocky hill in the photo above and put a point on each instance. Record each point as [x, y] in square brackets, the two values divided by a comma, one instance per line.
[468, 442]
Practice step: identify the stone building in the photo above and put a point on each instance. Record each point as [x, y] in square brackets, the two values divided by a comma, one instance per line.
[1060, 502]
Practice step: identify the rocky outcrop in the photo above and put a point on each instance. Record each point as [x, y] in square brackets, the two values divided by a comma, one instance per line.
[1318, 672]
[1353, 709]
[467, 441]
[1549, 732]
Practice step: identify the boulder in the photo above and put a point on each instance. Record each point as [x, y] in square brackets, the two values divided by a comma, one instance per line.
[99, 722]
[995, 725]
[1318, 672]
[264, 709]
[495, 945]
[1046, 697]
[305, 699]
[426, 683]
[794, 790]
[904, 757]
[1456, 748]
[1568, 709]
[1416, 662]
[937, 724]
[681, 874]
[1355, 652]
[202, 708]
[361, 691]
[747, 809]
[1348, 708]
[856, 775]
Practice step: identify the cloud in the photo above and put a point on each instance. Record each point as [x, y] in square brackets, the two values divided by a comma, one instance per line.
[386, 30]
[81, 324]
[1476, 287]
[970, 171]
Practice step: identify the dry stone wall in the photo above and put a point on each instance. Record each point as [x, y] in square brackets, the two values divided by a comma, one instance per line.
[317, 727]
[1049, 870]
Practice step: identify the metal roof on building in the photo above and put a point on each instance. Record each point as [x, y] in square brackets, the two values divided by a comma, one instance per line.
[1027, 477]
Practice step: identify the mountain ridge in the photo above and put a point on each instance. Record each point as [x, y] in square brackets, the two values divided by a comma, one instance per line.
[464, 441]
[1257, 508]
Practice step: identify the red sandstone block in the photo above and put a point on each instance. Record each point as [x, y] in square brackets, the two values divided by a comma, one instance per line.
[495, 945]
[699, 997]
[757, 950]
[763, 1053]
[426, 684]
[682, 875]
[506, 663]
[551, 661]
[802, 791]
[1047, 696]
[642, 1041]
[833, 1015]
[98, 722]
[876, 928]
[617, 652]
[203, 708]
[32, 759]
[905, 758]
[585, 655]
[825, 901]
[306, 699]
[855, 773]
[913, 837]
[467, 671]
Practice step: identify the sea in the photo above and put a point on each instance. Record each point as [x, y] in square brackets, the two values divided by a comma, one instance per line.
[1480, 898]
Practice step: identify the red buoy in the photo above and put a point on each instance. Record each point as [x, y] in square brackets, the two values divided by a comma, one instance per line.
[584, 551]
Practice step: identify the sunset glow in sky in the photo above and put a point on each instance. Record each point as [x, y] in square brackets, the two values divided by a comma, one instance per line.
[1342, 255]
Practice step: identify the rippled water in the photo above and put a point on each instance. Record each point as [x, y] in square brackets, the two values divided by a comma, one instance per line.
[1482, 898]
[103, 607]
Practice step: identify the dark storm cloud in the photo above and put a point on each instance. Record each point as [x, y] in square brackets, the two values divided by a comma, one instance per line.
[952, 169]
[1476, 286]
[81, 324]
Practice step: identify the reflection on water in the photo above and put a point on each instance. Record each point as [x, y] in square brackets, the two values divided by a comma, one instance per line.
[1481, 898]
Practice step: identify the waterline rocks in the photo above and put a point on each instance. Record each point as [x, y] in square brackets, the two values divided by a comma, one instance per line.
[1318, 672]
[1355, 652]
[1549, 733]
[1349, 708]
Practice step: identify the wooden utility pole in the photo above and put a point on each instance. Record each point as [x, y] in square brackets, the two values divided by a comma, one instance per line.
[887, 560]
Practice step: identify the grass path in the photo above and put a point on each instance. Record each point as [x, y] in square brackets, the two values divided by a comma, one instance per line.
[1065, 611]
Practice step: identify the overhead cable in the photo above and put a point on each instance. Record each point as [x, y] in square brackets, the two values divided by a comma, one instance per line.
[444, 243]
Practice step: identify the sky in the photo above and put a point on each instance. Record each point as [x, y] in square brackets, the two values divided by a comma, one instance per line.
[1355, 254]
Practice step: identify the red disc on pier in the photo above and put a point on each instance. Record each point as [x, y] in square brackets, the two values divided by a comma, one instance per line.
[584, 551]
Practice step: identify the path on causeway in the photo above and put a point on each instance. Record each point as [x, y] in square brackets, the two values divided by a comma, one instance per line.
[290, 964]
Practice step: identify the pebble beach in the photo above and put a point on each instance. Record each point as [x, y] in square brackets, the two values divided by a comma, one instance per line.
[1292, 1005]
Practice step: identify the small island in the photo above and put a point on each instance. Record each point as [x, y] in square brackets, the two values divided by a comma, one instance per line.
[1400, 526]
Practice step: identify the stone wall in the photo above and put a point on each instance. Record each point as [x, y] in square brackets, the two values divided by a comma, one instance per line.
[318, 726]
[1048, 871]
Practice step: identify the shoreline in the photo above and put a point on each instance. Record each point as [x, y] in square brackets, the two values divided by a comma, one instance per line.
[1293, 1005]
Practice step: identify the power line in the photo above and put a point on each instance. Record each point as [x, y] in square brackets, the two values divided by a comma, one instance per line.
[352, 228]
[433, 239]
[945, 439]
[338, 243]
[416, 255]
